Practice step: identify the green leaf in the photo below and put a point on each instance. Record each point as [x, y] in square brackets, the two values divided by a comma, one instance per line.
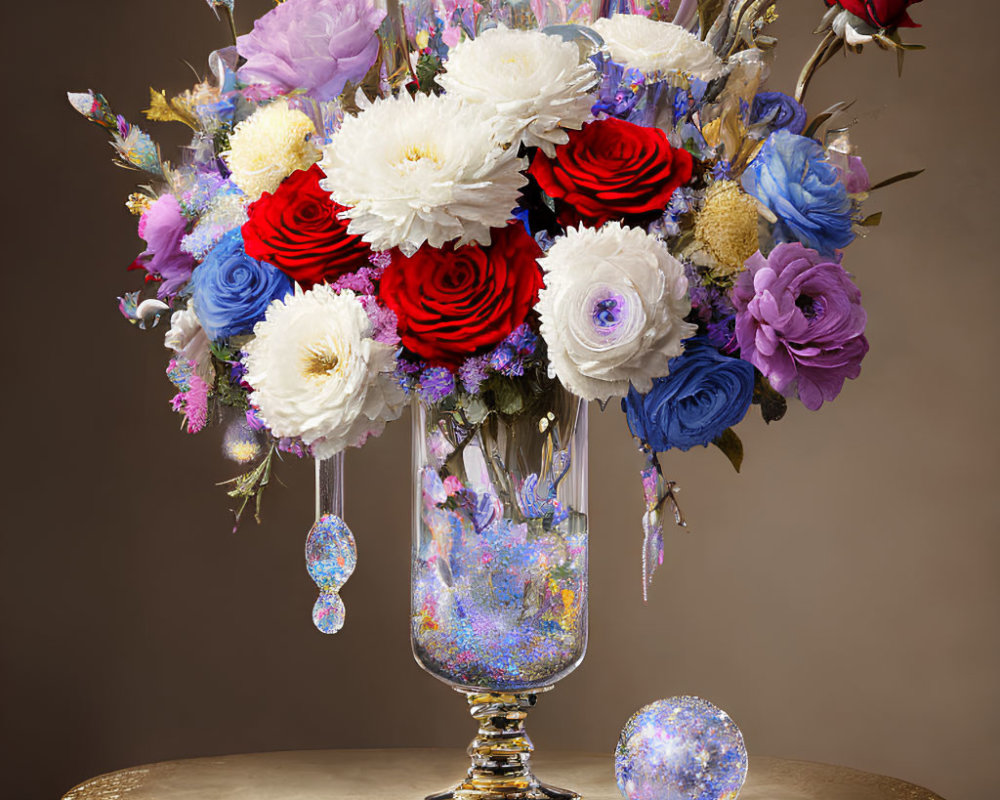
[729, 443]
[509, 400]
[708, 12]
[904, 176]
[872, 220]
[772, 405]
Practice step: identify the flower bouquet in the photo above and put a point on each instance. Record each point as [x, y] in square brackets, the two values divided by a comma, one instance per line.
[499, 211]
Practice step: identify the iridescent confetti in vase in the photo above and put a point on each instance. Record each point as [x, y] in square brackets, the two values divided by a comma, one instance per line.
[683, 748]
[499, 568]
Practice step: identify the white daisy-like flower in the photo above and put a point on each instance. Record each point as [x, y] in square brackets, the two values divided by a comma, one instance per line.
[317, 373]
[612, 310]
[189, 341]
[657, 47]
[427, 169]
[270, 145]
[534, 83]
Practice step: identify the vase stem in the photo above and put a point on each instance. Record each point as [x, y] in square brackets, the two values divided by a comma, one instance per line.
[501, 752]
[330, 485]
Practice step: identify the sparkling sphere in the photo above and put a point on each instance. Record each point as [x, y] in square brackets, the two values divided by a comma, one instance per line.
[683, 748]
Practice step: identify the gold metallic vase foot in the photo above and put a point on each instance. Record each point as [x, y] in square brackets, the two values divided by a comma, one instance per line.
[501, 753]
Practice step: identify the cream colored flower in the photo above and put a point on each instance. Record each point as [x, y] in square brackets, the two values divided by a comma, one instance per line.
[427, 169]
[535, 84]
[726, 226]
[612, 310]
[317, 373]
[269, 146]
[189, 341]
[657, 47]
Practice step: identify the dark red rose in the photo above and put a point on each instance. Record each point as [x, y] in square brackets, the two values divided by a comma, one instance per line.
[879, 13]
[456, 302]
[297, 230]
[610, 170]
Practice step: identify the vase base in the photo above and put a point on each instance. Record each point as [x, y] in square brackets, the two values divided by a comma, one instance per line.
[501, 753]
[540, 792]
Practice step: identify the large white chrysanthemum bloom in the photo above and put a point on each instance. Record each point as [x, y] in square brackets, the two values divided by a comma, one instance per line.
[427, 169]
[535, 84]
[657, 47]
[612, 310]
[317, 373]
[268, 146]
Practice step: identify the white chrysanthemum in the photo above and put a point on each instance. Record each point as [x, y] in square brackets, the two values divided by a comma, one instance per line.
[189, 341]
[270, 145]
[427, 169]
[657, 47]
[534, 83]
[612, 310]
[318, 374]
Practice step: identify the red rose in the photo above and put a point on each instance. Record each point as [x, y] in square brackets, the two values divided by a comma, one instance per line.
[611, 169]
[297, 230]
[456, 302]
[879, 14]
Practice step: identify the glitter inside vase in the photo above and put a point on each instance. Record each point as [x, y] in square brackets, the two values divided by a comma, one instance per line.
[329, 612]
[683, 748]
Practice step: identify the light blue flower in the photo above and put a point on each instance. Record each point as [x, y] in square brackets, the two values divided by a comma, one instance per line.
[231, 291]
[792, 176]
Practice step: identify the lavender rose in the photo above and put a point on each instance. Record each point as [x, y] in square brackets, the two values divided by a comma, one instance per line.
[316, 45]
[799, 320]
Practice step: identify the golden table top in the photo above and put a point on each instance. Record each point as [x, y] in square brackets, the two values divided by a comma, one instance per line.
[412, 774]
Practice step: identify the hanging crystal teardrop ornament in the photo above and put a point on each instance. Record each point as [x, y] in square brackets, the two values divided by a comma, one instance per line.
[331, 552]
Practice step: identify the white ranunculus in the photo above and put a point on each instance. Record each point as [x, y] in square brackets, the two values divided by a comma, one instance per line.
[270, 145]
[427, 169]
[189, 341]
[612, 310]
[534, 83]
[657, 47]
[317, 373]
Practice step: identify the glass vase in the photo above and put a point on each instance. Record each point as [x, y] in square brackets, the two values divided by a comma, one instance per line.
[499, 569]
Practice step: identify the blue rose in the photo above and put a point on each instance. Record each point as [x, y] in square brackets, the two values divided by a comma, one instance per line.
[705, 393]
[778, 111]
[792, 177]
[231, 291]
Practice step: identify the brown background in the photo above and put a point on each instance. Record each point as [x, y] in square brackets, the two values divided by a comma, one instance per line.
[839, 598]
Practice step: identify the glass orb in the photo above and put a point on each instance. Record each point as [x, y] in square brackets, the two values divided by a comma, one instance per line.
[683, 748]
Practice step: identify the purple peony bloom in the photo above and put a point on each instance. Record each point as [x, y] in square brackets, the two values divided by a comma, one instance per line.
[315, 45]
[799, 320]
[163, 227]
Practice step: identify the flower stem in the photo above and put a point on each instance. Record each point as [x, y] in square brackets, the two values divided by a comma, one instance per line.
[828, 48]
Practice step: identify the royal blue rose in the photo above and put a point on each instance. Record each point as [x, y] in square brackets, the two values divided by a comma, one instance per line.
[778, 111]
[705, 393]
[793, 178]
[231, 291]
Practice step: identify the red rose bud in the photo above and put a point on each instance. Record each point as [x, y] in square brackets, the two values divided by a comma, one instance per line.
[297, 230]
[452, 303]
[881, 14]
[611, 170]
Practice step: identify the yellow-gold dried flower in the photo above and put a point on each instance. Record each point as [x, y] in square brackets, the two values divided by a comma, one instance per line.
[726, 226]
[269, 146]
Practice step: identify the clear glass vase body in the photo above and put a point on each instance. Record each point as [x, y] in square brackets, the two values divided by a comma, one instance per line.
[499, 560]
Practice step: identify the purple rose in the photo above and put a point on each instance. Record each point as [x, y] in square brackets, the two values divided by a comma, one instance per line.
[778, 111]
[799, 320]
[315, 45]
[163, 226]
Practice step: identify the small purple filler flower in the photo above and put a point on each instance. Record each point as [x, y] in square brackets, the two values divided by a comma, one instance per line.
[799, 320]
[316, 45]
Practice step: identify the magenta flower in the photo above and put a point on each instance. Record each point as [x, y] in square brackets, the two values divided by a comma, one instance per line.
[163, 226]
[799, 320]
[314, 45]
